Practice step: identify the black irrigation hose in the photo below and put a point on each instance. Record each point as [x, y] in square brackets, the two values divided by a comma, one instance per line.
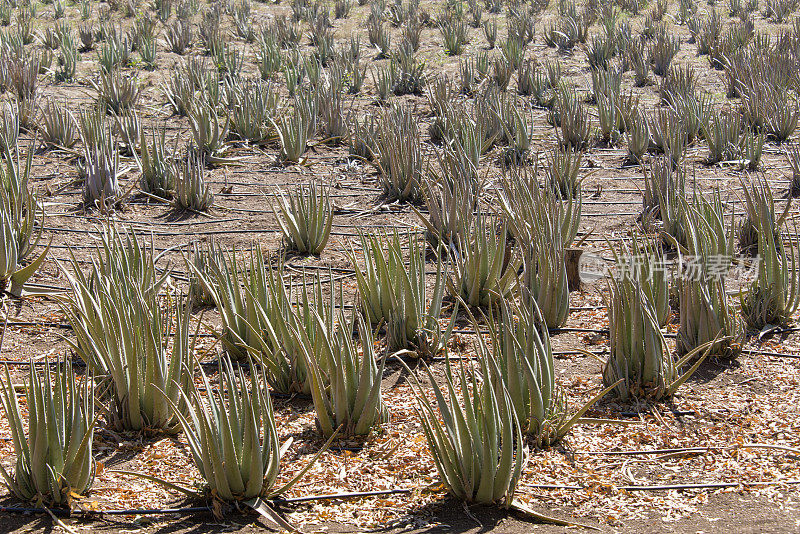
[613, 214]
[155, 511]
[145, 233]
[50, 324]
[466, 331]
[411, 359]
[61, 512]
[94, 246]
[220, 195]
[644, 452]
[578, 330]
[678, 450]
[193, 222]
[44, 324]
[773, 354]
[667, 487]
[334, 496]
[407, 359]
[202, 509]
[141, 232]
[81, 363]
[678, 413]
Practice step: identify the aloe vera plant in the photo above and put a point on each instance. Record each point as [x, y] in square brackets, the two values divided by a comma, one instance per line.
[517, 133]
[305, 218]
[794, 163]
[664, 196]
[192, 192]
[232, 434]
[464, 144]
[363, 138]
[484, 264]
[478, 449]
[639, 364]
[395, 293]
[450, 205]
[705, 228]
[94, 126]
[203, 255]
[233, 439]
[102, 171]
[293, 133]
[120, 331]
[747, 231]
[287, 326]
[180, 92]
[251, 106]
[260, 316]
[521, 359]
[562, 172]
[124, 257]
[723, 134]
[178, 36]
[400, 157]
[705, 314]
[637, 134]
[59, 127]
[774, 296]
[575, 124]
[347, 389]
[643, 259]
[158, 175]
[522, 200]
[544, 276]
[209, 133]
[117, 92]
[128, 129]
[375, 282]
[21, 221]
[454, 34]
[9, 128]
[54, 460]
[223, 281]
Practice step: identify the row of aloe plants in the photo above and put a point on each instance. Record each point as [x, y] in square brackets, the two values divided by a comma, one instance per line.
[205, 91]
[309, 348]
[141, 358]
[144, 384]
[513, 385]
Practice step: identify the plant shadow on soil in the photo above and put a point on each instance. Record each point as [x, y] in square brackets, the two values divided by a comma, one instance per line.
[445, 516]
[725, 512]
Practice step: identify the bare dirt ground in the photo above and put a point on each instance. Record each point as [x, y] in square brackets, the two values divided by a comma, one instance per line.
[729, 409]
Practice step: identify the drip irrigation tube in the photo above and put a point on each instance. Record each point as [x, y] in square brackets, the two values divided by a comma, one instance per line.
[193, 222]
[644, 452]
[333, 496]
[143, 232]
[61, 512]
[679, 450]
[773, 354]
[297, 500]
[668, 487]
